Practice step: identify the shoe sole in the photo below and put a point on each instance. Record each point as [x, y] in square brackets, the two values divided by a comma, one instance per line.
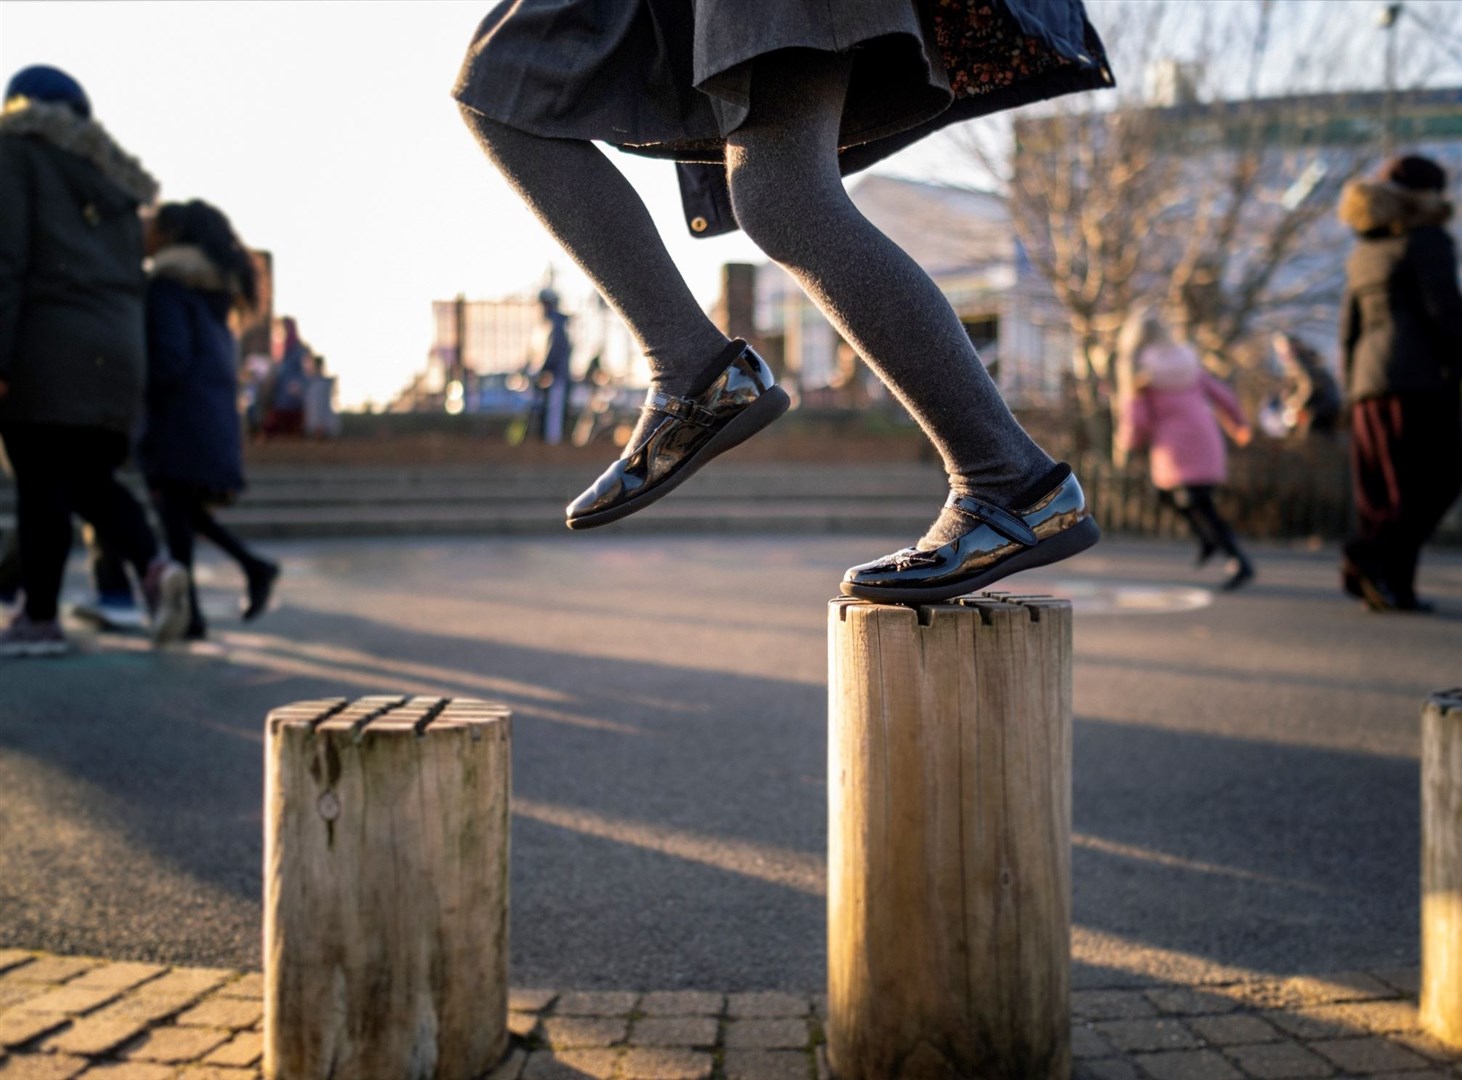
[129, 621]
[35, 651]
[173, 614]
[761, 412]
[1063, 545]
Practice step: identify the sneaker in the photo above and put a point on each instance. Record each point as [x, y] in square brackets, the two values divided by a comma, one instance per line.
[166, 588]
[111, 613]
[26, 638]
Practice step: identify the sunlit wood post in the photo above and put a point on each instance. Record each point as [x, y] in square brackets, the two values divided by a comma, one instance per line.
[386, 889]
[949, 870]
[1441, 866]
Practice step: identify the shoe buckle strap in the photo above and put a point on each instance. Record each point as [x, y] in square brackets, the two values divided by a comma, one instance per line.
[1001, 520]
[682, 409]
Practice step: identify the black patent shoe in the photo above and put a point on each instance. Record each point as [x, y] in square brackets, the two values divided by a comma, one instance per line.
[676, 436]
[997, 543]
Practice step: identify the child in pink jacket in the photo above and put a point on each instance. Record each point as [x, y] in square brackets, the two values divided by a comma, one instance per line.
[1168, 407]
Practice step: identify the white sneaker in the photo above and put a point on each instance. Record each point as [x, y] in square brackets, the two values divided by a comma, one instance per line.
[166, 590]
[115, 615]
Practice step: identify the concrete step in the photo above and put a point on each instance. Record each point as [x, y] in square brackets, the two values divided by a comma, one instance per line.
[347, 501]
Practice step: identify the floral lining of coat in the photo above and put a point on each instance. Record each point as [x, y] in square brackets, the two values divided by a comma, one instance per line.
[984, 49]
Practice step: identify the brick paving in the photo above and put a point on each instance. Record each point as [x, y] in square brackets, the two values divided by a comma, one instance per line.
[63, 1018]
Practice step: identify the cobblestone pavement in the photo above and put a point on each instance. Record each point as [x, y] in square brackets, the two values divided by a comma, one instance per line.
[63, 1017]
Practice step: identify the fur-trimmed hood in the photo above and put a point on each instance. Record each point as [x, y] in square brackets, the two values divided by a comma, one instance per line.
[191, 267]
[1370, 206]
[65, 130]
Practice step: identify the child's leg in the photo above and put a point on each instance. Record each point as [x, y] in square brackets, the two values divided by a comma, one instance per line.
[1208, 522]
[1181, 500]
[208, 527]
[591, 209]
[789, 197]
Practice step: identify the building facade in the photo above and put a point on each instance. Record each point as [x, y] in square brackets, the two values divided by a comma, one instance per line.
[966, 242]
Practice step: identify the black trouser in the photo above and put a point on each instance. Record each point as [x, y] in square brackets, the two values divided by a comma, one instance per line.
[1406, 461]
[10, 582]
[1195, 503]
[108, 573]
[183, 511]
[62, 470]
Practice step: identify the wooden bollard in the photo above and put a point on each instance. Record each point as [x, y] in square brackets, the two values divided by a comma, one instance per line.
[1441, 866]
[386, 889]
[949, 865]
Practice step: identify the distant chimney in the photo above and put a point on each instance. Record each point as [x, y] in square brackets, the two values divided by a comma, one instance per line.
[735, 310]
[1173, 82]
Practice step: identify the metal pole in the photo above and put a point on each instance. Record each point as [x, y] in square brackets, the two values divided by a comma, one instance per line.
[1390, 16]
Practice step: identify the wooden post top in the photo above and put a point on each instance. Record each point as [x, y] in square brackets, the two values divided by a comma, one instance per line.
[988, 605]
[420, 716]
[1447, 701]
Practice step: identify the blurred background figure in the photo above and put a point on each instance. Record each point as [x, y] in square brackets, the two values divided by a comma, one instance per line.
[284, 394]
[1310, 397]
[9, 552]
[71, 349]
[320, 419]
[192, 445]
[596, 417]
[1401, 354]
[1168, 402]
[551, 380]
[256, 375]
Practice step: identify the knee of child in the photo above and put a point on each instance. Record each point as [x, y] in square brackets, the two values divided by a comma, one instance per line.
[775, 221]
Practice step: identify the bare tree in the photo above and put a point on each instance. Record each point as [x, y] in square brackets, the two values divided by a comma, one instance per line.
[1206, 184]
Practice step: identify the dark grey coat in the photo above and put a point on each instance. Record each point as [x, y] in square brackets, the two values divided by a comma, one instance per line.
[71, 278]
[671, 78]
[1401, 318]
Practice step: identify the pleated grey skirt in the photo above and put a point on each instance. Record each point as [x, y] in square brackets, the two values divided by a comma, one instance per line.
[671, 78]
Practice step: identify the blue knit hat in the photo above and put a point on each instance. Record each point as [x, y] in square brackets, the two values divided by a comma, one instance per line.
[42, 83]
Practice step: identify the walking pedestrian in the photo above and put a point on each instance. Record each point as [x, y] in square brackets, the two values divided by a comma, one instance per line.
[191, 450]
[71, 349]
[284, 412]
[779, 97]
[1168, 404]
[1311, 396]
[1401, 355]
[551, 381]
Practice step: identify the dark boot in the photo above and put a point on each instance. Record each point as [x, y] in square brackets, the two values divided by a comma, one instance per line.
[260, 578]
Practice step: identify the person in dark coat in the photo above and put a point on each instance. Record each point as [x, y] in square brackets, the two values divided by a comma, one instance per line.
[1401, 356]
[776, 100]
[552, 380]
[71, 349]
[1311, 399]
[285, 389]
[191, 450]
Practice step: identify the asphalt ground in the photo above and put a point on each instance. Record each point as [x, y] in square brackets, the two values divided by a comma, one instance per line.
[1246, 797]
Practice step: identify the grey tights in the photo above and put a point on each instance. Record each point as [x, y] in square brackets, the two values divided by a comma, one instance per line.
[789, 198]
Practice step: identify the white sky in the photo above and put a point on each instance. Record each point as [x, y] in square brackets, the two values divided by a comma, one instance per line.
[327, 132]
